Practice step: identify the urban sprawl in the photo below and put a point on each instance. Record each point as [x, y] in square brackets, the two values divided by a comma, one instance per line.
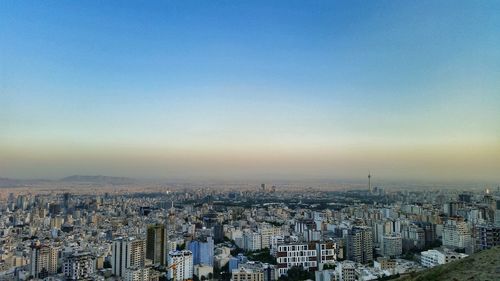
[258, 232]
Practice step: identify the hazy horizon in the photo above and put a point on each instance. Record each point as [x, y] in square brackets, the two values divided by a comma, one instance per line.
[251, 90]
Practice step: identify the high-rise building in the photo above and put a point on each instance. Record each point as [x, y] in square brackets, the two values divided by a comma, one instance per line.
[43, 260]
[360, 244]
[487, 236]
[451, 208]
[127, 253]
[465, 197]
[79, 266]
[203, 251]
[182, 262]
[266, 233]
[54, 209]
[392, 245]
[456, 234]
[252, 241]
[497, 213]
[156, 244]
[66, 198]
[413, 237]
[218, 233]
[430, 235]
[382, 228]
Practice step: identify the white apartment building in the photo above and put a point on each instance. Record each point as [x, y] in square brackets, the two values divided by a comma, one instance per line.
[432, 258]
[307, 255]
[183, 261]
[252, 241]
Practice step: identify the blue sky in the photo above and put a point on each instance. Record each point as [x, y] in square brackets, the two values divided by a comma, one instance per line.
[313, 89]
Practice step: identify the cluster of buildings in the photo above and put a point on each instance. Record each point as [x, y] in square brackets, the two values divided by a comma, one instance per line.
[241, 235]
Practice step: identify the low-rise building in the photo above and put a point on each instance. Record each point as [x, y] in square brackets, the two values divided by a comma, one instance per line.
[432, 258]
[247, 274]
[136, 274]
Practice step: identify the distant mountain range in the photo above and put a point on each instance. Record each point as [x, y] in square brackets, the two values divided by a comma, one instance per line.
[98, 179]
[80, 179]
[8, 182]
[4, 182]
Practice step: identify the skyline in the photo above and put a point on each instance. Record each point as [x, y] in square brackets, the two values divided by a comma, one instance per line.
[284, 90]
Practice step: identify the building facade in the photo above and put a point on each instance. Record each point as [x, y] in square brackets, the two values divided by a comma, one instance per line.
[392, 245]
[156, 244]
[247, 274]
[183, 265]
[307, 255]
[360, 244]
[487, 236]
[136, 274]
[127, 253]
[456, 234]
[432, 258]
[203, 251]
[79, 266]
[43, 260]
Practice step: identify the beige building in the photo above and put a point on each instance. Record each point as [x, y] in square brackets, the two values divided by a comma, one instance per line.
[246, 274]
[43, 260]
[456, 234]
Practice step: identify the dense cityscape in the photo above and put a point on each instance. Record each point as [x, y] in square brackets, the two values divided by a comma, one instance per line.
[250, 140]
[252, 233]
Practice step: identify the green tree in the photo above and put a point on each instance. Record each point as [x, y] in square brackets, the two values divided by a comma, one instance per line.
[107, 264]
[328, 266]
[297, 273]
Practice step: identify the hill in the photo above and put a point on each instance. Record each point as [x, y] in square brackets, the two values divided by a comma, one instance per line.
[12, 183]
[481, 266]
[98, 179]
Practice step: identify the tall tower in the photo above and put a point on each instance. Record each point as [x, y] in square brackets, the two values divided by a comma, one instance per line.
[369, 182]
[156, 244]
